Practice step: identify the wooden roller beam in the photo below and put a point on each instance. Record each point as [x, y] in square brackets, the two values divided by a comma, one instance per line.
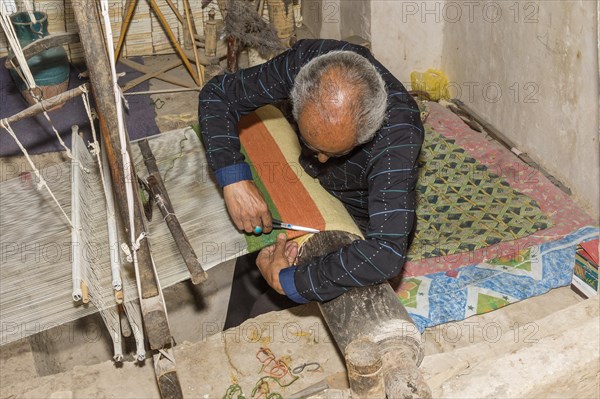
[374, 313]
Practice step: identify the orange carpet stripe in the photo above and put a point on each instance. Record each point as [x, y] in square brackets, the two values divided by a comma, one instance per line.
[294, 203]
[331, 209]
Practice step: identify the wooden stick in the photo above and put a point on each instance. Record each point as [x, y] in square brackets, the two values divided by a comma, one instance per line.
[129, 11]
[173, 39]
[48, 103]
[36, 47]
[193, 33]
[161, 197]
[85, 292]
[176, 11]
[148, 71]
[134, 82]
[232, 54]
[173, 90]
[199, 67]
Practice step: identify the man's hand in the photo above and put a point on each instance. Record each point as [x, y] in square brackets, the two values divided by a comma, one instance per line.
[271, 260]
[247, 207]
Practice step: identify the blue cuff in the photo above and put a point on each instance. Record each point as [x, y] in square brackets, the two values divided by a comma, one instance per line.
[286, 279]
[233, 174]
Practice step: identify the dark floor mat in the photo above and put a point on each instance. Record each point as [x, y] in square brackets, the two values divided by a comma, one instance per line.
[36, 134]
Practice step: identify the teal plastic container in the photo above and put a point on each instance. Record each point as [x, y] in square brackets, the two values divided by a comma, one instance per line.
[50, 67]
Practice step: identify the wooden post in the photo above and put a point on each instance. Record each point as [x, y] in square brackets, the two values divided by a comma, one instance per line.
[232, 54]
[210, 35]
[188, 16]
[373, 312]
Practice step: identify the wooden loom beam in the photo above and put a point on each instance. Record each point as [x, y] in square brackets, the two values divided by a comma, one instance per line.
[48, 104]
[375, 315]
[87, 19]
[153, 309]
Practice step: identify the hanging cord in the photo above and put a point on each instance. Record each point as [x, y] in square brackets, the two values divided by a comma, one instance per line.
[41, 182]
[38, 98]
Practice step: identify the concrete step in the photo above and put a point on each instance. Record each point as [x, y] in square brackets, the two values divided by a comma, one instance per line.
[557, 356]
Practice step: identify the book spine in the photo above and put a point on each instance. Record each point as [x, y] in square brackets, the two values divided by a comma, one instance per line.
[584, 289]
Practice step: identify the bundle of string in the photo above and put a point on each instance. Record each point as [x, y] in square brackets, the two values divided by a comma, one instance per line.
[277, 370]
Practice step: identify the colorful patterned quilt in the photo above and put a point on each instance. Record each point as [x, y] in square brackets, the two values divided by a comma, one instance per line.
[453, 295]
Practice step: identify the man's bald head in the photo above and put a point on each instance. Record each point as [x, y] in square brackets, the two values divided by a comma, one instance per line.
[339, 100]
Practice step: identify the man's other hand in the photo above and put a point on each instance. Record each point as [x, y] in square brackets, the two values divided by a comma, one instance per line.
[271, 260]
[247, 207]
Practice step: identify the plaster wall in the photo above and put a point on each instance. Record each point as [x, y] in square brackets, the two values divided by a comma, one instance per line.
[337, 19]
[530, 68]
[355, 18]
[407, 35]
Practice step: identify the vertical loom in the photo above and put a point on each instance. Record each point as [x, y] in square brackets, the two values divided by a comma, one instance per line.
[116, 143]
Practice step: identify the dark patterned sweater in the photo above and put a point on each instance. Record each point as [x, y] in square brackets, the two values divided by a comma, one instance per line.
[375, 182]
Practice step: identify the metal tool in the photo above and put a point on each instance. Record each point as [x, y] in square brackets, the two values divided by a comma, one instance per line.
[311, 390]
[289, 226]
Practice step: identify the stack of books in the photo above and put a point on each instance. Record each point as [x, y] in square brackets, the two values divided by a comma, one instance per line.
[585, 271]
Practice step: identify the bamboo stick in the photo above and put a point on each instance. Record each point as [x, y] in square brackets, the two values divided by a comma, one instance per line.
[129, 10]
[169, 32]
[199, 67]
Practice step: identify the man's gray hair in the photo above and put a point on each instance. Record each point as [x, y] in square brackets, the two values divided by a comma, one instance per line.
[369, 107]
